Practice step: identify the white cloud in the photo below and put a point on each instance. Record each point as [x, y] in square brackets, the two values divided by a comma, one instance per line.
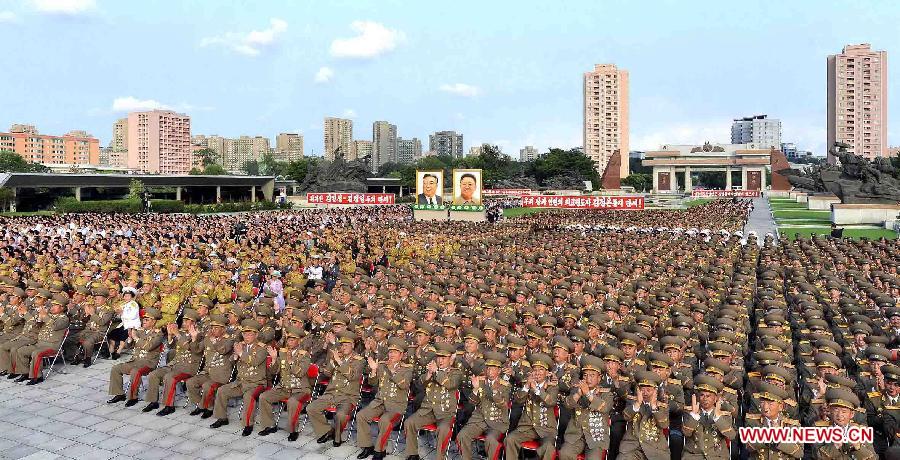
[324, 75]
[8, 16]
[133, 104]
[718, 131]
[64, 7]
[350, 113]
[372, 40]
[251, 43]
[461, 89]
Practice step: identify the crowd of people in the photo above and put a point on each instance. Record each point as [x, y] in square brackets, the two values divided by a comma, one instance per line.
[573, 334]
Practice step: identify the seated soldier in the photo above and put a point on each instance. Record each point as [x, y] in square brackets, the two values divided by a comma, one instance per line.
[442, 381]
[392, 378]
[538, 421]
[491, 416]
[250, 357]
[187, 345]
[217, 367]
[345, 367]
[148, 342]
[292, 364]
[50, 337]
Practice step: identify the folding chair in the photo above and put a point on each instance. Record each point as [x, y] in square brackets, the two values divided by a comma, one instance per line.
[534, 444]
[433, 429]
[312, 372]
[397, 425]
[103, 341]
[48, 360]
[351, 416]
[500, 438]
[141, 373]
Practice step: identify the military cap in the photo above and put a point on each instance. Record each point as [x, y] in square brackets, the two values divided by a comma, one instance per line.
[877, 340]
[841, 397]
[60, 299]
[445, 349]
[396, 343]
[828, 346]
[591, 362]
[217, 320]
[515, 342]
[467, 312]
[774, 372]
[547, 321]
[424, 328]
[152, 313]
[891, 373]
[878, 353]
[430, 306]
[191, 314]
[264, 310]
[657, 359]
[855, 328]
[720, 349]
[671, 342]
[473, 333]
[827, 360]
[610, 353]
[647, 378]
[771, 392]
[683, 321]
[249, 325]
[542, 360]
[340, 318]
[44, 293]
[704, 382]
[564, 343]
[493, 358]
[346, 337]
[775, 344]
[382, 324]
[244, 296]
[293, 331]
[18, 292]
[578, 335]
[491, 324]
[535, 331]
[628, 338]
[714, 365]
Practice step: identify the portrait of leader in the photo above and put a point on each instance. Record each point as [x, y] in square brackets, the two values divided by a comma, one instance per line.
[467, 187]
[429, 187]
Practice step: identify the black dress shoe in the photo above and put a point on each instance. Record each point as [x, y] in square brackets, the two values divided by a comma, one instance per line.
[337, 442]
[115, 356]
[3, 373]
[268, 431]
[219, 423]
[74, 361]
[168, 410]
[131, 402]
[116, 399]
[196, 411]
[293, 436]
[325, 438]
[87, 362]
[104, 354]
[207, 413]
[35, 381]
[247, 431]
[150, 407]
[413, 457]
[22, 378]
[12, 376]
[378, 455]
[366, 452]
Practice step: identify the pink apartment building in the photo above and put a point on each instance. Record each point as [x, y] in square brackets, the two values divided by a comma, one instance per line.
[857, 100]
[159, 142]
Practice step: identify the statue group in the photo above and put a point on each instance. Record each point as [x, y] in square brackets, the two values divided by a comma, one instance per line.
[856, 181]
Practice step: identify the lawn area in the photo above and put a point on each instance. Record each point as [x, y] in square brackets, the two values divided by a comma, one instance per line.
[516, 212]
[24, 214]
[697, 202]
[787, 205]
[802, 214]
[872, 234]
[818, 222]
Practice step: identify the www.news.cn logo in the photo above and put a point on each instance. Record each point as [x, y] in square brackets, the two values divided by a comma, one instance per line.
[807, 435]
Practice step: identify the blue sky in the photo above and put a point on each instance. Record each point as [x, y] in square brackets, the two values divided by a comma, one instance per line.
[497, 71]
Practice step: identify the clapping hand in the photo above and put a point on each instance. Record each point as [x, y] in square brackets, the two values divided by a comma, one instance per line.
[695, 406]
[583, 387]
[718, 412]
[238, 351]
[654, 401]
[273, 353]
[476, 380]
[640, 398]
[373, 365]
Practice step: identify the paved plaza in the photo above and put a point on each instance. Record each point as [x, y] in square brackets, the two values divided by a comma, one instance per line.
[67, 417]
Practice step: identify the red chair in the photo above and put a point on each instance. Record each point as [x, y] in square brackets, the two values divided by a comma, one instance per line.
[312, 372]
[534, 445]
[45, 361]
[432, 428]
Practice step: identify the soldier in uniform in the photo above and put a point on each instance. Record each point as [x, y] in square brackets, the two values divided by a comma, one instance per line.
[392, 377]
[842, 404]
[346, 368]
[647, 416]
[539, 395]
[49, 338]
[250, 358]
[708, 427]
[148, 342]
[771, 401]
[491, 417]
[883, 407]
[442, 381]
[187, 344]
[590, 403]
[291, 363]
[217, 369]
[27, 336]
[100, 315]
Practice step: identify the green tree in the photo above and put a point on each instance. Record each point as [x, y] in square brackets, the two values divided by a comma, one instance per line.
[12, 162]
[558, 162]
[207, 157]
[298, 169]
[215, 170]
[251, 168]
[136, 189]
[195, 171]
[640, 181]
[6, 197]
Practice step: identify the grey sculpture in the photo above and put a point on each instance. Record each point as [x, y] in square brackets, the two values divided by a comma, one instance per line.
[857, 179]
[339, 175]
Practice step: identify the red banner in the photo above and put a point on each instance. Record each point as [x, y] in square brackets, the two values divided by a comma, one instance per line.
[507, 191]
[350, 198]
[725, 193]
[583, 202]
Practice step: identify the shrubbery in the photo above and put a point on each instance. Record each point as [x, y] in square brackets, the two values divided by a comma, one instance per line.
[130, 206]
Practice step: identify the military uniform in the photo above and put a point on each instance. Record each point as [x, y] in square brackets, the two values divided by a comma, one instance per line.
[49, 338]
[147, 348]
[185, 364]
[491, 415]
[293, 386]
[94, 330]
[390, 402]
[27, 336]
[250, 382]
[217, 370]
[773, 451]
[588, 430]
[707, 436]
[646, 432]
[342, 393]
[539, 418]
[438, 406]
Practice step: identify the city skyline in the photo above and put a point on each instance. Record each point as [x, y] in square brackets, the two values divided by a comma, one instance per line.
[362, 62]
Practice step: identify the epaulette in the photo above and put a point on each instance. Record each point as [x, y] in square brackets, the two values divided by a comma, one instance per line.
[624, 378]
[675, 381]
[730, 390]
[873, 394]
[754, 416]
[603, 389]
[822, 423]
[790, 402]
[406, 365]
[818, 401]
[639, 361]
[891, 407]
[790, 421]
[754, 374]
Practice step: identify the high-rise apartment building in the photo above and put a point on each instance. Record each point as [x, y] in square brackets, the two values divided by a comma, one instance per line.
[760, 130]
[528, 153]
[243, 149]
[159, 142]
[408, 150]
[74, 147]
[360, 149]
[288, 147]
[447, 143]
[606, 115]
[338, 137]
[858, 100]
[384, 144]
